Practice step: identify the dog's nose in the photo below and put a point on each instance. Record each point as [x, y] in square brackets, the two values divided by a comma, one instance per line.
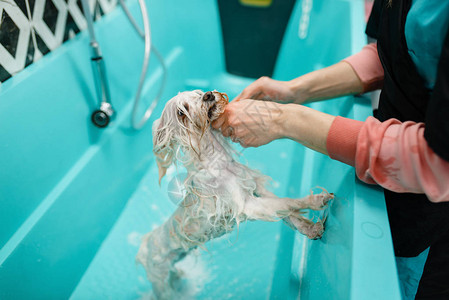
[209, 96]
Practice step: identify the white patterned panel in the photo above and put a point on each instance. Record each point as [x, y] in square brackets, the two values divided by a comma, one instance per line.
[107, 5]
[13, 64]
[52, 41]
[77, 14]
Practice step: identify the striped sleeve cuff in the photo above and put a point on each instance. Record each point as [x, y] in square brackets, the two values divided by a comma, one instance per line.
[341, 140]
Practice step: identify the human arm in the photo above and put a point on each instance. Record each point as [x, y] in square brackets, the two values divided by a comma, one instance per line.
[336, 80]
[254, 123]
[392, 154]
[358, 73]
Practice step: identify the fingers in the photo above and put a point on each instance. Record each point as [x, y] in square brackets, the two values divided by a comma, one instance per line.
[229, 125]
[219, 121]
[227, 130]
[254, 91]
[243, 144]
[240, 140]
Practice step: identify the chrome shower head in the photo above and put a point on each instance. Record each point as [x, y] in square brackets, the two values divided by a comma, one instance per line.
[101, 117]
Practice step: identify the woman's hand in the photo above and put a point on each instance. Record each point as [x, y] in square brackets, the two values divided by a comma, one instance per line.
[266, 88]
[331, 82]
[251, 123]
[255, 123]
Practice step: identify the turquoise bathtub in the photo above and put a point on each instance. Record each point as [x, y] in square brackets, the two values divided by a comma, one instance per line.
[75, 199]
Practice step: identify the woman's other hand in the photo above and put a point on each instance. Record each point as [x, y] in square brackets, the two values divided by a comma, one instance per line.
[254, 123]
[331, 82]
[269, 89]
[251, 123]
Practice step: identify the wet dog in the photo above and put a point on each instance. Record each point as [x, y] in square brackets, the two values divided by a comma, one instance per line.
[220, 191]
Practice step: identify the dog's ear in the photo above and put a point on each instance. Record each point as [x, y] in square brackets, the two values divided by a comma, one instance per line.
[163, 147]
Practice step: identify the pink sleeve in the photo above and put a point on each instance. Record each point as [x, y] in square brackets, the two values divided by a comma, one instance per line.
[392, 154]
[368, 67]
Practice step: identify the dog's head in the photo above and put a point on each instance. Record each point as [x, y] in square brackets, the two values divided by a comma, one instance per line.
[184, 122]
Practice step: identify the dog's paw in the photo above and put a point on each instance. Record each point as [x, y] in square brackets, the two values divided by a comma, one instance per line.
[310, 229]
[319, 201]
[316, 231]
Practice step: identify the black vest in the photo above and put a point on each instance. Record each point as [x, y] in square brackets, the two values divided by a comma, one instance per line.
[416, 223]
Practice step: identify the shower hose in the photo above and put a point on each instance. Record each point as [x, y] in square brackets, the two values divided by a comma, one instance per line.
[100, 72]
[146, 35]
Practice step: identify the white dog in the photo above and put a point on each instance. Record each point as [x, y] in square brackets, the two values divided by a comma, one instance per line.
[220, 192]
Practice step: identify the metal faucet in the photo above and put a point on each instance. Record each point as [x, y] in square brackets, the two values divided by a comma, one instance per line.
[102, 116]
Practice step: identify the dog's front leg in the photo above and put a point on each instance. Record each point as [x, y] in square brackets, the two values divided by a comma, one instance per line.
[274, 208]
[312, 201]
[268, 205]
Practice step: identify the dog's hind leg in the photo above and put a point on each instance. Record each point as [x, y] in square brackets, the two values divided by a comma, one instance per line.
[158, 253]
[163, 247]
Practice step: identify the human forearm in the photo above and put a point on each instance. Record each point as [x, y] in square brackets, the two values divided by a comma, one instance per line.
[331, 82]
[305, 125]
[358, 73]
[254, 123]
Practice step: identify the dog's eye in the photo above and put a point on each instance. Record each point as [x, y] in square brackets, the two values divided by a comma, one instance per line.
[181, 113]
